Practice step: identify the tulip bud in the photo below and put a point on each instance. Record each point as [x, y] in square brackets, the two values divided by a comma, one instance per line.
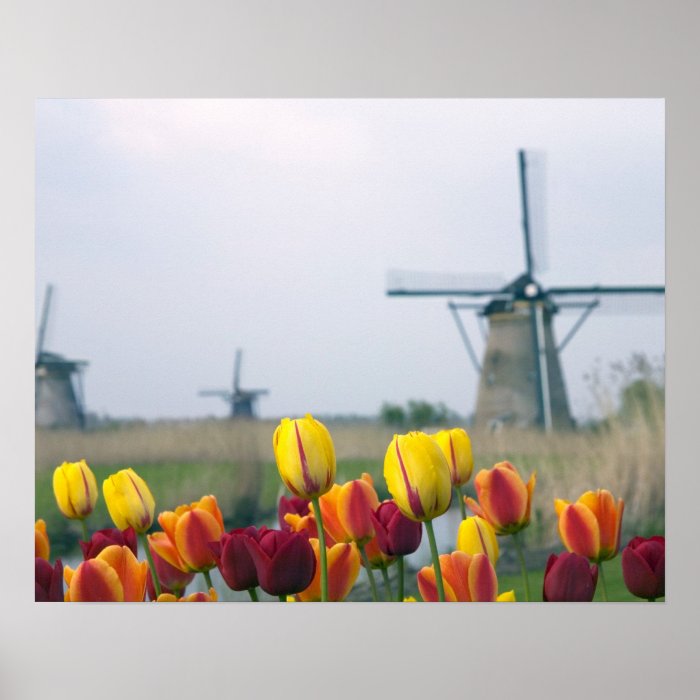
[418, 476]
[41, 540]
[643, 567]
[457, 448]
[397, 535]
[233, 559]
[465, 578]
[75, 489]
[343, 561]
[569, 578]
[504, 499]
[476, 536]
[356, 501]
[191, 528]
[101, 539]
[591, 527]
[305, 456]
[48, 581]
[129, 500]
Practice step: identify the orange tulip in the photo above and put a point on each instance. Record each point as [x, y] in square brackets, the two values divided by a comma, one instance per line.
[591, 527]
[504, 499]
[41, 540]
[466, 578]
[198, 597]
[343, 568]
[114, 575]
[191, 528]
[172, 571]
[356, 501]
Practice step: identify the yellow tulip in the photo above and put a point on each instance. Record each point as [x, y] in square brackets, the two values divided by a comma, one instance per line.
[305, 456]
[476, 536]
[42, 546]
[418, 476]
[457, 448]
[506, 597]
[75, 489]
[129, 500]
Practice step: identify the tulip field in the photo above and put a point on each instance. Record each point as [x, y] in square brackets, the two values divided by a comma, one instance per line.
[318, 528]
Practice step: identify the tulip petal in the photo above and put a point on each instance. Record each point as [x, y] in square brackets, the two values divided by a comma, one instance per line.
[193, 532]
[579, 531]
[95, 581]
[427, 586]
[638, 575]
[131, 572]
[483, 584]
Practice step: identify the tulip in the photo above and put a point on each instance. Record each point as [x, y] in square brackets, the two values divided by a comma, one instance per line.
[506, 597]
[104, 538]
[233, 559]
[295, 506]
[591, 527]
[198, 597]
[305, 456]
[476, 536]
[75, 489]
[129, 500]
[343, 568]
[457, 448]
[284, 561]
[48, 581]
[173, 573]
[357, 499]
[466, 578]
[643, 567]
[41, 540]
[569, 578]
[114, 575]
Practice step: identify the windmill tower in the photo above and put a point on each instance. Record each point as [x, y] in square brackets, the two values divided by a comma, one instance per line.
[58, 389]
[241, 401]
[521, 381]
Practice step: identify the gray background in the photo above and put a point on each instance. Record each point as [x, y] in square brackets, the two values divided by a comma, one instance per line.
[216, 49]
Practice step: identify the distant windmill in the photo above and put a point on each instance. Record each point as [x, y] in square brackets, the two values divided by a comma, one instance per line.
[58, 389]
[521, 381]
[241, 401]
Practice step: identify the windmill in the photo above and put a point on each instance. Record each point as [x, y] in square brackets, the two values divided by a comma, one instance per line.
[241, 401]
[521, 381]
[58, 389]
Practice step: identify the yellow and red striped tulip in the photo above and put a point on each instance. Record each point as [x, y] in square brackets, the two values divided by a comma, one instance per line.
[191, 528]
[343, 560]
[172, 571]
[504, 498]
[418, 476]
[114, 575]
[129, 500]
[457, 448]
[198, 597]
[42, 547]
[356, 501]
[476, 536]
[592, 525]
[75, 489]
[466, 578]
[305, 456]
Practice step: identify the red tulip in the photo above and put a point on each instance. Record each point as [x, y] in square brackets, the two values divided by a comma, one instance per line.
[397, 535]
[284, 561]
[569, 578]
[233, 558]
[104, 538]
[295, 505]
[48, 581]
[643, 567]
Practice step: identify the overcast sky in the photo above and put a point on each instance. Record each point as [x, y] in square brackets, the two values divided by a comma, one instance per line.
[175, 231]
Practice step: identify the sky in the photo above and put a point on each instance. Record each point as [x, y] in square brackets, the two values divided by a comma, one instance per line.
[175, 231]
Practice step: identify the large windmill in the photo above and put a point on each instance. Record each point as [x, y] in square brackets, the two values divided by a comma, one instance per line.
[58, 389]
[241, 401]
[521, 381]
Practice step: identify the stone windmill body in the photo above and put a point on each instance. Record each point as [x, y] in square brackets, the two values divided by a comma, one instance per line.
[58, 391]
[521, 381]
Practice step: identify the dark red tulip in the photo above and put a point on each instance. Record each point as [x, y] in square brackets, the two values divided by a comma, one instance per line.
[104, 538]
[233, 558]
[396, 534]
[285, 561]
[48, 581]
[643, 567]
[294, 505]
[569, 578]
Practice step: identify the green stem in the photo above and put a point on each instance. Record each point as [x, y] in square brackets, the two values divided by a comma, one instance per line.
[253, 594]
[523, 568]
[86, 537]
[322, 549]
[370, 575]
[436, 560]
[283, 598]
[651, 600]
[604, 587]
[387, 584]
[151, 565]
[399, 563]
[207, 578]
[462, 507]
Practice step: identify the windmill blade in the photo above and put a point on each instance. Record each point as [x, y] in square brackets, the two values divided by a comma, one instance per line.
[410, 283]
[537, 210]
[599, 289]
[237, 370]
[636, 300]
[44, 321]
[223, 393]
